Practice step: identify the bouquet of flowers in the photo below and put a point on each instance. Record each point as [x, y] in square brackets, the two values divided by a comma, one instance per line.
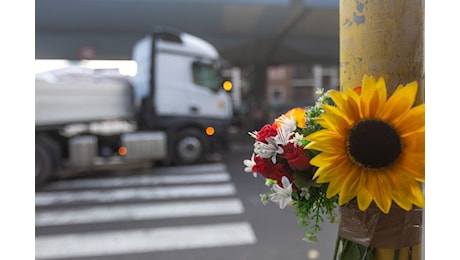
[279, 156]
[358, 147]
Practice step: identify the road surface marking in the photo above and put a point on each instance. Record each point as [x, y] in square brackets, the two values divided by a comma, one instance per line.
[141, 180]
[143, 240]
[144, 193]
[139, 212]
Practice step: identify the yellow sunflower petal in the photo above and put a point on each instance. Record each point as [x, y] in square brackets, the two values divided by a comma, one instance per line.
[407, 192]
[335, 110]
[327, 159]
[319, 147]
[400, 197]
[417, 195]
[400, 102]
[368, 81]
[367, 95]
[373, 105]
[336, 123]
[354, 101]
[353, 183]
[412, 158]
[321, 122]
[401, 188]
[327, 174]
[382, 96]
[325, 135]
[321, 171]
[414, 163]
[381, 190]
[412, 121]
[346, 104]
[334, 187]
[414, 142]
[370, 96]
[352, 94]
[364, 198]
[410, 192]
[324, 141]
[324, 147]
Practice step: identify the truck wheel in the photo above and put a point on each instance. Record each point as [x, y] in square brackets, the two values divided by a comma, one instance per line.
[44, 165]
[189, 147]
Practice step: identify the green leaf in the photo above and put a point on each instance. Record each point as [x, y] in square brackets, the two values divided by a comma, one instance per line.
[348, 250]
[303, 179]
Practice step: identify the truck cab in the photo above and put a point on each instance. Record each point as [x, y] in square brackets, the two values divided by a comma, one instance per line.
[178, 88]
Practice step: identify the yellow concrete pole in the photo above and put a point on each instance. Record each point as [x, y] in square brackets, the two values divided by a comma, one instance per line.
[384, 38]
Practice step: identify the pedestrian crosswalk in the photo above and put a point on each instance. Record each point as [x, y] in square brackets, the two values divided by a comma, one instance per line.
[73, 207]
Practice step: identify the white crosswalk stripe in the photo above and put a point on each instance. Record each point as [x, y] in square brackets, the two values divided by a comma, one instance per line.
[140, 180]
[168, 194]
[145, 193]
[143, 211]
[143, 240]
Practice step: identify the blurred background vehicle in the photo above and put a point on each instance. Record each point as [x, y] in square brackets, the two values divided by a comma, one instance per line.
[174, 110]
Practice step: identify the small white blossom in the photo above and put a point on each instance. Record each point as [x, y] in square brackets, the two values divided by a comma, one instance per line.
[282, 195]
[253, 134]
[265, 199]
[297, 140]
[287, 123]
[269, 150]
[305, 193]
[319, 91]
[282, 137]
[249, 164]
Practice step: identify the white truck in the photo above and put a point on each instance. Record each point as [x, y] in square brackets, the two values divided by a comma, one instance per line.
[174, 110]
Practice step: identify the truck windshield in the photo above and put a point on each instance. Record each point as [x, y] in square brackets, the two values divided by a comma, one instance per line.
[206, 75]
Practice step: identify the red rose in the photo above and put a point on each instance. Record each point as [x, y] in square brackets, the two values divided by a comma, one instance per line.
[259, 167]
[266, 131]
[276, 171]
[296, 156]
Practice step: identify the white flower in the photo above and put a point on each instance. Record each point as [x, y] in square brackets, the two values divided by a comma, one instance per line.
[253, 134]
[264, 198]
[269, 150]
[282, 137]
[287, 123]
[282, 195]
[249, 164]
[297, 140]
[304, 193]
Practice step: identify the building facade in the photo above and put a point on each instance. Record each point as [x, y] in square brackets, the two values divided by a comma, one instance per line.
[296, 85]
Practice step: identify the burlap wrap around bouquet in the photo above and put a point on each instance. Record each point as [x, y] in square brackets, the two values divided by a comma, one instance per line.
[372, 228]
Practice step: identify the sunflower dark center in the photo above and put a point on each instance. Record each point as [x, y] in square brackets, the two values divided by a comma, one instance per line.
[374, 144]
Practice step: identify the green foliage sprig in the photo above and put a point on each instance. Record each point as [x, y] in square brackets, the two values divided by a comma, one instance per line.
[311, 202]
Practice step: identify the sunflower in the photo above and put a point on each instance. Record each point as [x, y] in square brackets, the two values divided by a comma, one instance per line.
[372, 147]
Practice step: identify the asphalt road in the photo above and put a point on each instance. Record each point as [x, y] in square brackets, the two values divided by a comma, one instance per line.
[210, 211]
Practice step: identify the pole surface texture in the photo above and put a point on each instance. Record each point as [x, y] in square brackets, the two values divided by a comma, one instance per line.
[384, 38]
